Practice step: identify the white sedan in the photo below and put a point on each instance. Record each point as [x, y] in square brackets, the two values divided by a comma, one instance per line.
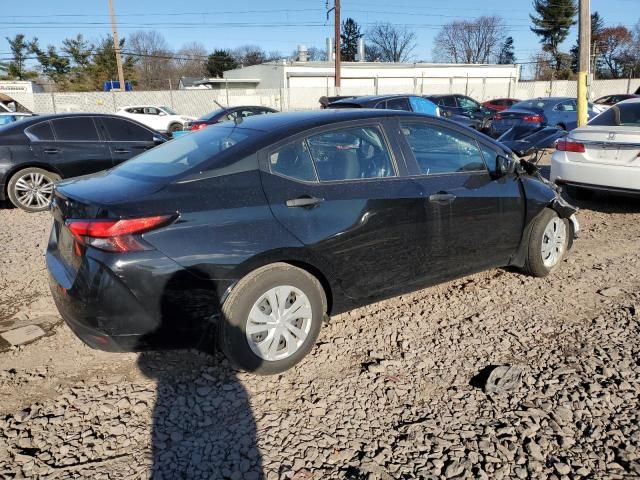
[160, 118]
[604, 154]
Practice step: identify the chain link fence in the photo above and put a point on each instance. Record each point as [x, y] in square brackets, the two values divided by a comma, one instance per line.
[199, 102]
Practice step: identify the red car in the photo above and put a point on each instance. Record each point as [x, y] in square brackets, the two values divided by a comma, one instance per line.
[499, 104]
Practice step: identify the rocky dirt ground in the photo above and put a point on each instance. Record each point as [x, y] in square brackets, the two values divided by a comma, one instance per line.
[390, 391]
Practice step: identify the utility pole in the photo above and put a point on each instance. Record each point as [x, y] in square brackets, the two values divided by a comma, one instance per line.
[584, 44]
[337, 40]
[116, 46]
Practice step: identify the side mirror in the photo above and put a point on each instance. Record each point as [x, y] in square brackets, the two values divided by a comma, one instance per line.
[161, 113]
[446, 113]
[503, 165]
[158, 140]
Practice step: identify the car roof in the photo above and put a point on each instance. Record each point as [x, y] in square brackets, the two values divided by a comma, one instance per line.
[634, 99]
[373, 98]
[142, 106]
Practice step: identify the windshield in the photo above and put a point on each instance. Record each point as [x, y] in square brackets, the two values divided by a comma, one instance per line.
[535, 104]
[178, 156]
[619, 115]
[170, 111]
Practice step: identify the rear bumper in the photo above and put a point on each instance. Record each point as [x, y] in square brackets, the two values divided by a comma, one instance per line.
[133, 302]
[596, 176]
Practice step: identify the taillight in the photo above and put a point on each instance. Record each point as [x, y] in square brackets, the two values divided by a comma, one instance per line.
[569, 146]
[533, 118]
[197, 126]
[116, 235]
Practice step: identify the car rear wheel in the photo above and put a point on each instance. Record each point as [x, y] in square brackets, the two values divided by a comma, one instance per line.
[174, 127]
[548, 243]
[31, 189]
[272, 318]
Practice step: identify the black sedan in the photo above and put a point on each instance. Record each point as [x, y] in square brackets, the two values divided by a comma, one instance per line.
[39, 151]
[459, 105]
[251, 233]
[228, 115]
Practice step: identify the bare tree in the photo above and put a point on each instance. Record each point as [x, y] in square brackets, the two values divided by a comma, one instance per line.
[470, 41]
[247, 55]
[154, 59]
[191, 60]
[614, 45]
[394, 44]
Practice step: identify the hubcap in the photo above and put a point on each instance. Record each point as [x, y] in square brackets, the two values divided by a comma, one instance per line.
[553, 242]
[278, 323]
[34, 190]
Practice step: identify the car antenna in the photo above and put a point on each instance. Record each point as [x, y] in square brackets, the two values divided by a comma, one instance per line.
[237, 120]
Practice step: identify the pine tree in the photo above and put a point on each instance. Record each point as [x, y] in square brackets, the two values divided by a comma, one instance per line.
[19, 51]
[507, 55]
[219, 62]
[349, 40]
[555, 18]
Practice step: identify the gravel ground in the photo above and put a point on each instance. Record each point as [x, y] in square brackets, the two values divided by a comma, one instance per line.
[391, 391]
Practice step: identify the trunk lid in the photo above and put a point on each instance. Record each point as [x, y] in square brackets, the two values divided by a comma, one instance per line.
[609, 145]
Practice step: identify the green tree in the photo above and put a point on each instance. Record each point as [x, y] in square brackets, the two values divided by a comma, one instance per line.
[219, 62]
[19, 52]
[53, 65]
[103, 66]
[552, 23]
[80, 52]
[349, 40]
[507, 55]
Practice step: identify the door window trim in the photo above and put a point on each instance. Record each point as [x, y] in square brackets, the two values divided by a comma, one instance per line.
[265, 154]
[407, 147]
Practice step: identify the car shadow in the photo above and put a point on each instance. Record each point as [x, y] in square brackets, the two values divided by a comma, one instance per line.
[605, 202]
[202, 421]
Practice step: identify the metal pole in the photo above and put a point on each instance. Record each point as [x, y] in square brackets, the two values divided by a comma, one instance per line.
[584, 44]
[53, 102]
[337, 41]
[171, 94]
[226, 87]
[116, 46]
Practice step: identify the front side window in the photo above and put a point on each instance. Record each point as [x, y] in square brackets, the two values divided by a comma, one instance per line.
[168, 110]
[151, 111]
[569, 106]
[121, 130]
[440, 150]
[79, 129]
[467, 103]
[351, 153]
[293, 160]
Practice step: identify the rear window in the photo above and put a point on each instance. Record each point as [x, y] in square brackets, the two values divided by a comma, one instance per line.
[619, 115]
[211, 115]
[75, 129]
[529, 105]
[186, 153]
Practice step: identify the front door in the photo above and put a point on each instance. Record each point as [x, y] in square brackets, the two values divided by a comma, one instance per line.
[479, 216]
[342, 193]
[125, 139]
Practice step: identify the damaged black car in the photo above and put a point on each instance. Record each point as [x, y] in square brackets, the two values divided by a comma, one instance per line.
[248, 235]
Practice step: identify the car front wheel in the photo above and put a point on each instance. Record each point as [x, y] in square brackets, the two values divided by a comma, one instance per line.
[31, 189]
[548, 243]
[272, 318]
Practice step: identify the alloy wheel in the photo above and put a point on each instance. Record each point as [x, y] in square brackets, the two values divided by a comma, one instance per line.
[34, 190]
[279, 323]
[554, 241]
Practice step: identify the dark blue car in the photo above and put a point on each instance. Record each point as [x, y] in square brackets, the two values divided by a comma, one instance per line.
[558, 112]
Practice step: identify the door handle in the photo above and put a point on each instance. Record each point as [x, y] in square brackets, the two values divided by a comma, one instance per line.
[121, 150]
[305, 201]
[51, 151]
[442, 198]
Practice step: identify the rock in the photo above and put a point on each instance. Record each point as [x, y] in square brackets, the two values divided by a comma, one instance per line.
[562, 468]
[611, 292]
[22, 335]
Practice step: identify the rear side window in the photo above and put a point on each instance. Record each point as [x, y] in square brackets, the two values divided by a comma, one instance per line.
[398, 104]
[293, 160]
[569, 106]
[76, 129]
[621, 114]
[351, 153]
[40, 132]
[440, 150]
[448, 101]
[120, 130]
[421, 105]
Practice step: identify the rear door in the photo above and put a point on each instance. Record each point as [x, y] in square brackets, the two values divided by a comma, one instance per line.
[125, 139]
[479, 217]
[76, 148]
[342, 192]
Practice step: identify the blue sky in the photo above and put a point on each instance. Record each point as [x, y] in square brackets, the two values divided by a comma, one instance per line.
[276, 24]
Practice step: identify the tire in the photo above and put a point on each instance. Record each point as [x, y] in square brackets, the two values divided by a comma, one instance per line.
[175, 127]
[251, 299]
[31, 189]
[561, 126]
[548, 243]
